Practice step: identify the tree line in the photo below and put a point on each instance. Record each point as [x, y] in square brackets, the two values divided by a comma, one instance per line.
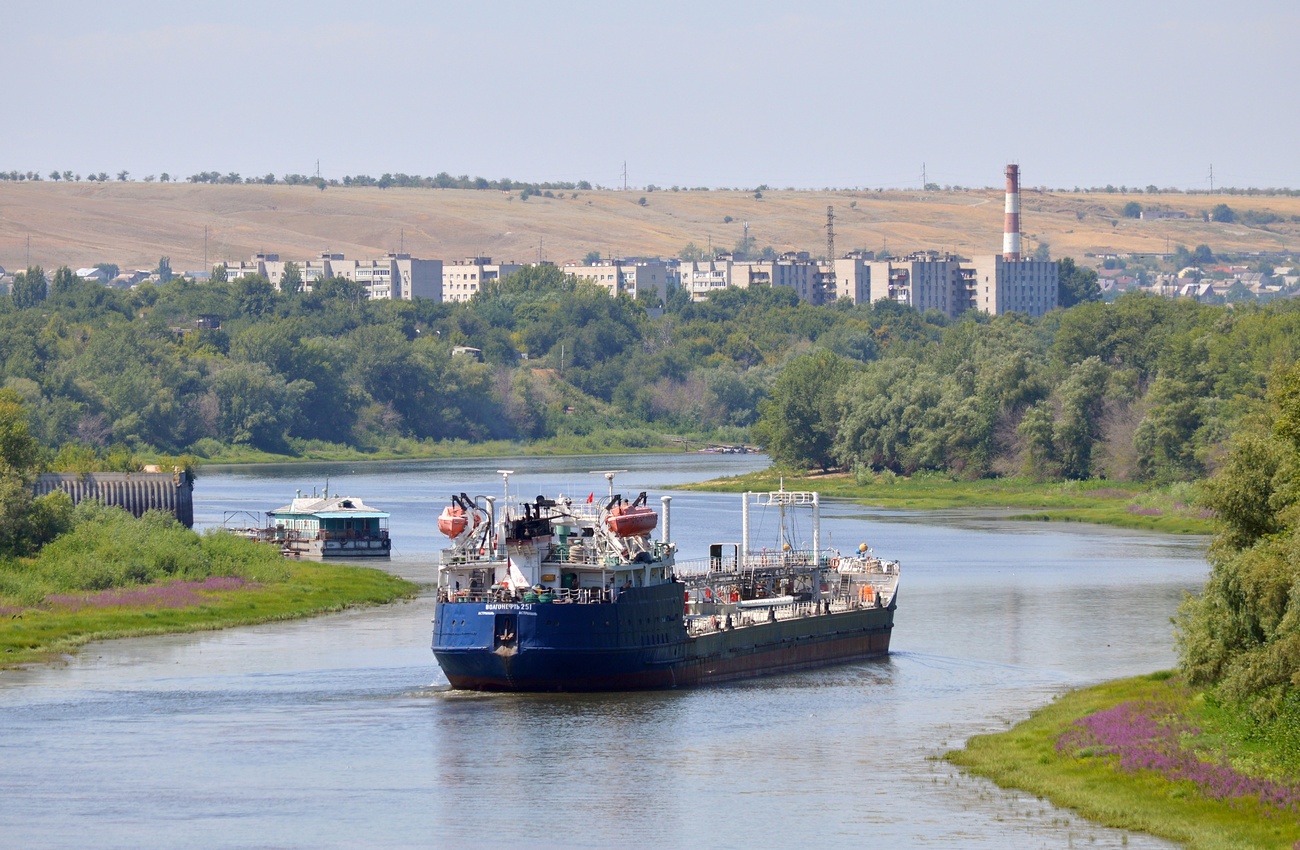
[1144, 389]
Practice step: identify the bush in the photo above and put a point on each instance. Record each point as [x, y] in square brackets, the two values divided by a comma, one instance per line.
[107, 547]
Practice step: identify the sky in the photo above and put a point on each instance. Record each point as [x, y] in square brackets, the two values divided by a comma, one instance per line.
[720, 94]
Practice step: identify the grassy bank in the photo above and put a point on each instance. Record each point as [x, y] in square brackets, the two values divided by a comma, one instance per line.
[1171, 509]
[63, 622]
[1148, 754]
[606, 442]
[112, 575]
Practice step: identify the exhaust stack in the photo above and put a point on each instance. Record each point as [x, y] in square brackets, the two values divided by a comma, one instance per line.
[1011, 228]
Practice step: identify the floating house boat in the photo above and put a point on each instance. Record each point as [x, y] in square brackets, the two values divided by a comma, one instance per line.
[319, 527]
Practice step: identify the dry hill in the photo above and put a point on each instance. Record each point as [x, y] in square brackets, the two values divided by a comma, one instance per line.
[133, 224]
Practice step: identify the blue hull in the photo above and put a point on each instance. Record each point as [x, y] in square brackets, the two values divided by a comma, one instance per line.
[638, 642]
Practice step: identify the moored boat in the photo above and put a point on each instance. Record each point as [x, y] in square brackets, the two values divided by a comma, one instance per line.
[559, 595]
[325, 527]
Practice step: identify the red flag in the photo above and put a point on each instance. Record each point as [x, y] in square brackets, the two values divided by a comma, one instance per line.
[591, 498]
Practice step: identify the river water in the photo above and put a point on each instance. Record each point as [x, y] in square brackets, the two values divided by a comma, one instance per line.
[340, 731]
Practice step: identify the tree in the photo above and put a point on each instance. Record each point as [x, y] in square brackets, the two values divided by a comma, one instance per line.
[1223, 213]
[123, 176]
[164, 270]
[63, 281]
[220, 274]
[291, 280]
[591, 258]
[109, 269]
[1202, 255]
[1242, 634]
[692, 253]
[1076, 285]
[29, 287]
[256, 295]
[797, 425]
[19, 452]
[1132, 210]
[1079, 423]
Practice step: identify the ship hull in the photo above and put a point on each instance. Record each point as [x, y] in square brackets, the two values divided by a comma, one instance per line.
[638, 643]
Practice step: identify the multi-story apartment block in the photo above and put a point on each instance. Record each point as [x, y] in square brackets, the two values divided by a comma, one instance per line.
[461, 280]
[1020, 286]
[701, 278]
[393, 276]
[795, 270]
[925, 281]
[625, 276]
[852, 280]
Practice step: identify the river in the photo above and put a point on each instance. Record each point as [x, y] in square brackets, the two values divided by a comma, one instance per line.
[340, 731]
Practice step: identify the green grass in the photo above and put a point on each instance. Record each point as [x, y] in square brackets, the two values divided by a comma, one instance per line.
[36, 634]
[609, 441]
[1171, 509]
[1025, 757]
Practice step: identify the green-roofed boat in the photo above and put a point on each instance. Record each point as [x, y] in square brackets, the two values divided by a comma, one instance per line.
[320, 527]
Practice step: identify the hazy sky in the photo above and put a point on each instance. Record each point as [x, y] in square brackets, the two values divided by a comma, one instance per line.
[806, 94]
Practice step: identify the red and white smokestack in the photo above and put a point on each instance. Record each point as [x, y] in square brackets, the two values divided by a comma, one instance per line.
[1011, 229]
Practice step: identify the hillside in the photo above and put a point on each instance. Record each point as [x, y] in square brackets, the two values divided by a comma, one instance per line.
[133, 224]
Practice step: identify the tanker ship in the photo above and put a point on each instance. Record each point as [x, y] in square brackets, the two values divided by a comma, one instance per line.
[564, 595]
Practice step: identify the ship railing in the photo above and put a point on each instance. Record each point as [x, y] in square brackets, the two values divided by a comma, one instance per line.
[352, 534]
[461, 557]
[727, 619]
[591, 556]
[759, 560]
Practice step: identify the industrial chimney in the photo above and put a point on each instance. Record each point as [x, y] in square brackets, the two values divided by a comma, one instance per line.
[1011, 228]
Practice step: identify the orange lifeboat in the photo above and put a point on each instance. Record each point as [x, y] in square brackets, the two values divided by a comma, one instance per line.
[631, 520]
[453, 520]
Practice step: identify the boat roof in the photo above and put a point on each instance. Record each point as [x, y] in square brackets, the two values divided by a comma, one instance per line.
[333, 507]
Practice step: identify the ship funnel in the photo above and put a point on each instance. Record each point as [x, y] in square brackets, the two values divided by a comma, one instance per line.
[1011, 226]
[667, 534]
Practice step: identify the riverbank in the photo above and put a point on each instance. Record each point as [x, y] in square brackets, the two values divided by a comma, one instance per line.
[616, 441]
[60, 625]
[1170, 509]
[1152, 755]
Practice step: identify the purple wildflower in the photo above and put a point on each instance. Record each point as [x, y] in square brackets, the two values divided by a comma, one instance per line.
[1138, 510]
[1145, 736]
[171, 594]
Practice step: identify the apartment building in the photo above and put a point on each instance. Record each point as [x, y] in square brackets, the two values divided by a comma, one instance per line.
[793, 269]
[1020, 286]
[391, 277]
[461, 280]
[632, 277]
[925, 280]
[852, 280]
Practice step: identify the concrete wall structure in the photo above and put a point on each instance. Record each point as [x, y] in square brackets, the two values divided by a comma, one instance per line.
[135, 492]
